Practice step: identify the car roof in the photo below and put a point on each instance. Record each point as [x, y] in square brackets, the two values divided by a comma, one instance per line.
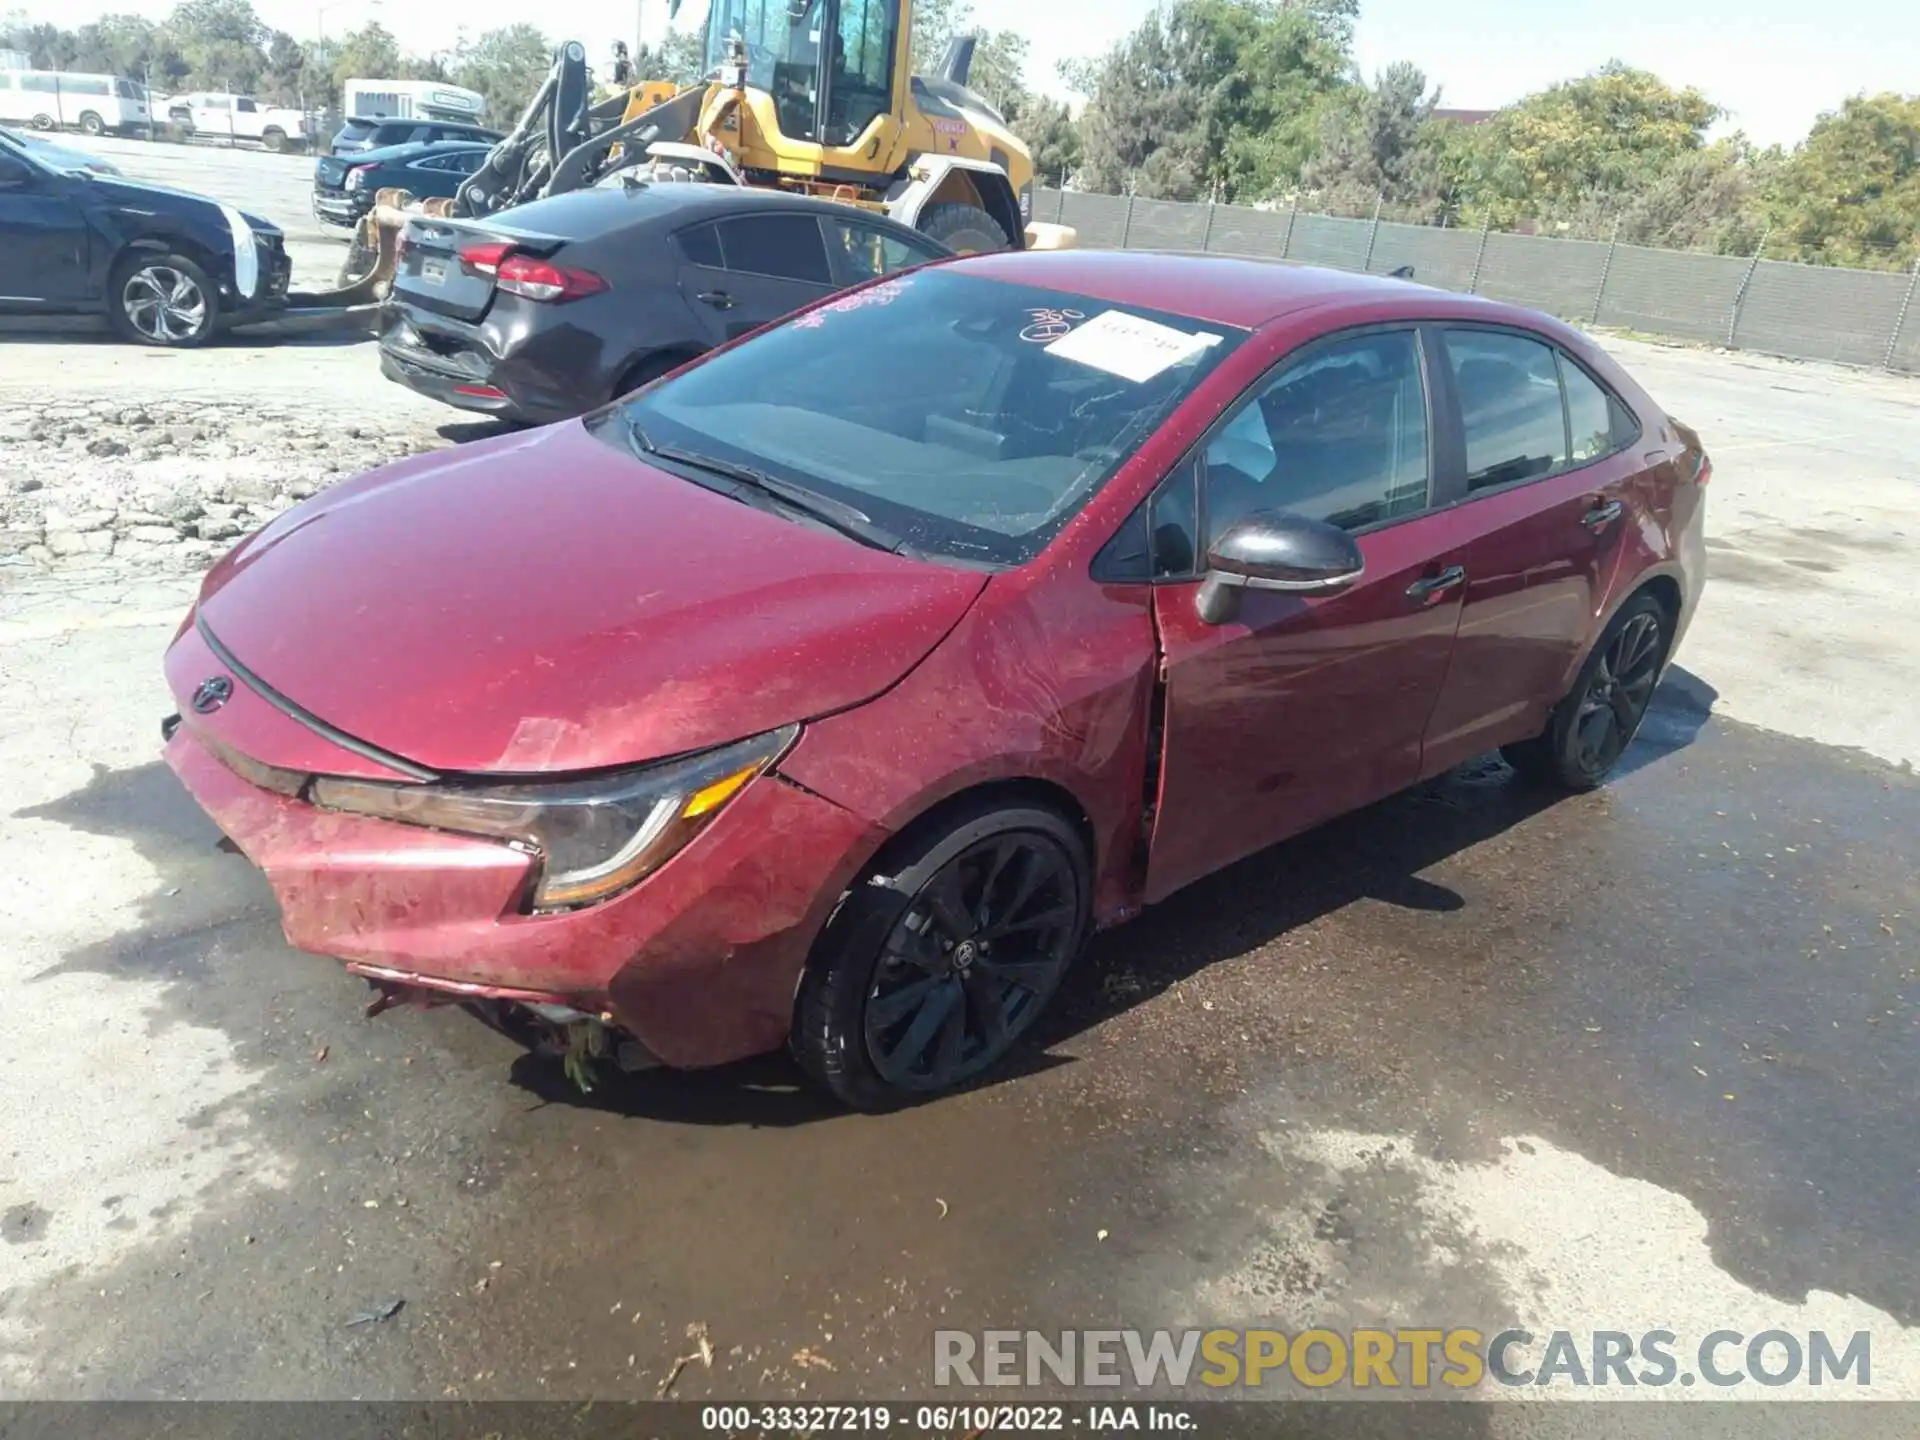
[584, 214]
[1242, 291]
[409, 149]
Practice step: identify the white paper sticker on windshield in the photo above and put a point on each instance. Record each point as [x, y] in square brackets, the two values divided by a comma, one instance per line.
[1128, 346]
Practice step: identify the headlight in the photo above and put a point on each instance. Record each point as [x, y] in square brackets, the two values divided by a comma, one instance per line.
[355, 179]
[594, 837]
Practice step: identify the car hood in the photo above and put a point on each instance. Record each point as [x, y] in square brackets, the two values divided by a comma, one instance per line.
[544, 602]
[139, 195]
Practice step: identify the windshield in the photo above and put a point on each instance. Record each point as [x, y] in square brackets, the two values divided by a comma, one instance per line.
[970, 417]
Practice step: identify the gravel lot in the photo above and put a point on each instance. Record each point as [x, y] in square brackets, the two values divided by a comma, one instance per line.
[1646, 1057]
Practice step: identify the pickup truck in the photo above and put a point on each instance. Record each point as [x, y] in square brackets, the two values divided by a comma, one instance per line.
[235, 117]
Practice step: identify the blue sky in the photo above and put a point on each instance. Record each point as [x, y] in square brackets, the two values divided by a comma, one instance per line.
[1774, 63]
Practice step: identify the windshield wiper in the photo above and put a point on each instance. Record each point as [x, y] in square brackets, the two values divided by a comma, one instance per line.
[841, 516]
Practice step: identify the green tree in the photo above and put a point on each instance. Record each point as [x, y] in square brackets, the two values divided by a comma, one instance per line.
[48, 46]
[506, 66]
[935, 22]
[1052, 138]
[369, 53]
[1850, 195]
[1380, 143]
[1215, 97]
[287, 80]
[223, 43]
[999, 72]
[1594, 141]
[121, 44]
[681, 58]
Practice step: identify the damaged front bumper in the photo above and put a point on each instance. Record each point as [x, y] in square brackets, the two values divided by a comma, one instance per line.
[696, 965]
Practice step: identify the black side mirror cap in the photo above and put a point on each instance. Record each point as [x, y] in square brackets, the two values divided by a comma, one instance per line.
[1277, 550]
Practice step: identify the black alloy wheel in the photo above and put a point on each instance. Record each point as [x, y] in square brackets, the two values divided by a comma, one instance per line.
[935, 967]
[1593, 726]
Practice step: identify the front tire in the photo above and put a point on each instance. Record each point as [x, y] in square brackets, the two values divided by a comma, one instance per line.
[92, 124]
[965, 229]
[943, 955]
[163, 300]
[1595, 722]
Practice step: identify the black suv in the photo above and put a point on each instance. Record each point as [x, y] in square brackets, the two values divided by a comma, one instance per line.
[372, 132]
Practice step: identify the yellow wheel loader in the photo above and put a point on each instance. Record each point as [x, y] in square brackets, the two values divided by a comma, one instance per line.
[813, 96]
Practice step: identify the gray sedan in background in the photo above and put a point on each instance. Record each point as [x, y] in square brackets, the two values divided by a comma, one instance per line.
[551, 309]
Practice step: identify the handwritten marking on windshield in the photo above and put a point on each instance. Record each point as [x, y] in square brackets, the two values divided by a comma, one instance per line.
[1050, 324]
[885, 293]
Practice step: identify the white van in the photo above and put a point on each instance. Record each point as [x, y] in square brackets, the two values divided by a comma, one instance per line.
[49, 99]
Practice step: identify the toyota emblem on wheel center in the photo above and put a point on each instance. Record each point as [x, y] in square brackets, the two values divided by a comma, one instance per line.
[212, 693]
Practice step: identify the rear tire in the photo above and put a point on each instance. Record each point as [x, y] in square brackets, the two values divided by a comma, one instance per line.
[905, 995]
[966, 229]
[163, 300]
[1595, 722]
[42, 122]
[92, 124]
[275, 139]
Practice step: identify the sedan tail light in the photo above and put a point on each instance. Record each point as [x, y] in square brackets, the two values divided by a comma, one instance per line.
[526, 276]
[484, 258]
[536, 280]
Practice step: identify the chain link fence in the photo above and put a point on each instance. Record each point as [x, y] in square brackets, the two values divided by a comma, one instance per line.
[1806, 312]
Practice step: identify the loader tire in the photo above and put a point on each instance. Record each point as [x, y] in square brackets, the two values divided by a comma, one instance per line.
[966, 229]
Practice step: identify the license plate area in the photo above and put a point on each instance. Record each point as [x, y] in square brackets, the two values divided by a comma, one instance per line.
[433, 272]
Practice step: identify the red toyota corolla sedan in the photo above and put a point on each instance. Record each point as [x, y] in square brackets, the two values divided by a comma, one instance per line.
[830, 692]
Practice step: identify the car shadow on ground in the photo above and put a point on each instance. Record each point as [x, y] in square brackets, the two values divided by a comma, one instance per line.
[1373, 854]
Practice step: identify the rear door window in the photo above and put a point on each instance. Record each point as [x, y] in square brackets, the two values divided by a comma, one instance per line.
[1509, 392]
[700, 245]
[1597, 423]
[786, 247]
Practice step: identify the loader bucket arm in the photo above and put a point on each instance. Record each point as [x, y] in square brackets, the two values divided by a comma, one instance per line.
[671, 120]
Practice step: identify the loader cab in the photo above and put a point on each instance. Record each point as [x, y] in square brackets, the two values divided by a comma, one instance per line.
[832, 68]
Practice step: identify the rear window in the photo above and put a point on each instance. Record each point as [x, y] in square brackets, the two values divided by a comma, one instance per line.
[983, 417]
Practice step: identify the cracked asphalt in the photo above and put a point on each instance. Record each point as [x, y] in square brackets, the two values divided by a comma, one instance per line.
[1642, 1059]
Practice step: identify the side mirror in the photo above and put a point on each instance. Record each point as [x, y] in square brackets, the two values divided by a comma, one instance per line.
[1276, 550]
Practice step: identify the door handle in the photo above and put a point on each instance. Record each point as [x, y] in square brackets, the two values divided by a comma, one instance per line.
[1602, 516]
[1439, 584]
[718, 299]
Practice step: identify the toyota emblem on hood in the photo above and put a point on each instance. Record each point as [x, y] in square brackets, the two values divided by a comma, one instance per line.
[212, 693]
